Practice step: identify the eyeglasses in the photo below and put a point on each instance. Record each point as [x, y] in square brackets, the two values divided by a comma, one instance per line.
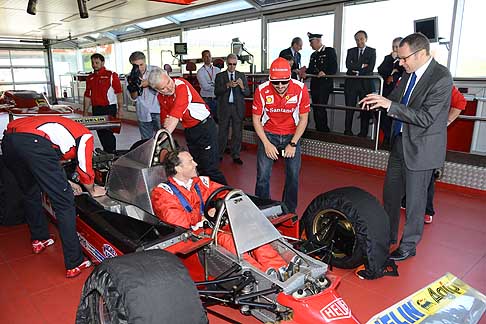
[234, 64]
[279, 82]
[406, 57]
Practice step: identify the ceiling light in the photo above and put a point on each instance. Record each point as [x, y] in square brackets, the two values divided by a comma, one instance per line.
[50, 26]
[109, 5]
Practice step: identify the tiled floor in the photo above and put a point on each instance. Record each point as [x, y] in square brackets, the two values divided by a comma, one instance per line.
[34, 290]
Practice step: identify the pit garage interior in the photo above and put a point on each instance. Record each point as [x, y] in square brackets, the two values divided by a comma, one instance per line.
[49, 52]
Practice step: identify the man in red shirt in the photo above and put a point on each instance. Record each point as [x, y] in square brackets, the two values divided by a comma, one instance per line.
[179, 101]
[104, 93]
[180, 201]
[280, 113]
[32, 148]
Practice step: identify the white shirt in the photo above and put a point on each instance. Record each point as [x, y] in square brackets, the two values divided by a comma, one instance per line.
[181, 183]
[206, 76]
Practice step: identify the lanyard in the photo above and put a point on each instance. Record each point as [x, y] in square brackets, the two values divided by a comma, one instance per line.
[183, 199]
[210, 74]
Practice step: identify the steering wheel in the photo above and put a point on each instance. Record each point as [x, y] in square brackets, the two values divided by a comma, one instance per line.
[212, 202]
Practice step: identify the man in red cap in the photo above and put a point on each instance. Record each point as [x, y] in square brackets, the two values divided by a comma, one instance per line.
[280, 113]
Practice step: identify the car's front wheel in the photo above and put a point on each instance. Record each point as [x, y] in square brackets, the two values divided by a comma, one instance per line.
[146, 287]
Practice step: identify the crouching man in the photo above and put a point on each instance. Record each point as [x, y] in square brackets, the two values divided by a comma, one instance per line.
[180, 201]
[33, 147]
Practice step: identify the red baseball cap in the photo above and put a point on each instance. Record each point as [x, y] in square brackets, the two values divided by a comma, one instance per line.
[280, 70]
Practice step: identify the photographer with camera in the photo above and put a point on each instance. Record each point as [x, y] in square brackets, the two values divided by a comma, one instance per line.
[104, 93]
[148, 108]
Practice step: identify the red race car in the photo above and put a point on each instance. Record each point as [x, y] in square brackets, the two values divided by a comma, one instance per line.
[152, 272]
[21, 103]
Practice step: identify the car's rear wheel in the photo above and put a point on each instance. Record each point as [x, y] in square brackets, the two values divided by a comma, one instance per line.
[146, 287]
[352, 219]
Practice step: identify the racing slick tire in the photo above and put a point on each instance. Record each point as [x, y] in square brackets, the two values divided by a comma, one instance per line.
[362, 227]
[147, 287]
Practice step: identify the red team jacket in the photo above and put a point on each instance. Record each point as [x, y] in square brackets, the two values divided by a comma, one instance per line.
[185, 104]
[72, 139]
[101, 87]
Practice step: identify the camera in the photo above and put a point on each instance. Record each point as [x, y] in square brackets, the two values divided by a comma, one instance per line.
[135, 80]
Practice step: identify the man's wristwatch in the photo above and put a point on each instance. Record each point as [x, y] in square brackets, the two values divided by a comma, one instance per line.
[293, 144]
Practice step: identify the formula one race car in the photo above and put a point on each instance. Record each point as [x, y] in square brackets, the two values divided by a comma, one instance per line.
[152, 272]
[22, 103]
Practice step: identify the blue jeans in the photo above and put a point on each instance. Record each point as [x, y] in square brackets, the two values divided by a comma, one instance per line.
[148, 129]
[292, 169]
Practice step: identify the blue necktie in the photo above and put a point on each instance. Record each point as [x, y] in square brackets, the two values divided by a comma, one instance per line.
[397, 126]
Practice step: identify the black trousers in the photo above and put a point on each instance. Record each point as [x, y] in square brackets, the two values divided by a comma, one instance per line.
[233, 118]
[202, 142]
[352, 94]
[400, 180]
[106, 136]
[320, 95]
[36, 167]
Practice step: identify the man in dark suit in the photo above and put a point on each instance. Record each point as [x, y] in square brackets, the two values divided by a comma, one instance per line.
[323, 61]
[293, 52]
[420, 107]
[360, 61]
[230, 88]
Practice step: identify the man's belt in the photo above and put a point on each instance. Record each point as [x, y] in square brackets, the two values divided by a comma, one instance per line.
[202, 122]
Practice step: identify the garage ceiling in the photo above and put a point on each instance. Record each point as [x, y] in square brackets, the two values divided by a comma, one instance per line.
[56, 19]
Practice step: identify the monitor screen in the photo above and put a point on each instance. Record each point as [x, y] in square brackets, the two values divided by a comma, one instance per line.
[428, 27]
[180, 48]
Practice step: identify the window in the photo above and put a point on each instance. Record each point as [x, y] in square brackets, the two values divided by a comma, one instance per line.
[385, 20]
[281, 33]
[28, 58]
[105, 50]
[127, 48]
[248, 32]
[30, 74]
[161, 51]
[4, 58]
[471, 60]
[65, 65]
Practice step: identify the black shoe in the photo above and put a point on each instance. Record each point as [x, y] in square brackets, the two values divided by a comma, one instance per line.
[362, 135]
[348, 132]
[237, 161]
[400, 255]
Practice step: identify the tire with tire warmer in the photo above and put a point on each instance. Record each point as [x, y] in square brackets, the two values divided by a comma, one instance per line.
[370, 232]
[146, 287]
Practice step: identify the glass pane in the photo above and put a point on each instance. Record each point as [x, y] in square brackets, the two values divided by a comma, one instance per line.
[471, 60]
[154, 23]
[208, 11]
[128, 48]
[382, 31]
[41, 88]
[65, 64]
[161, 52]
[5, 75]
[28, 58]
[86, 58]
[248, 32]
[281, 33]
[108, 52]
[4, 57]
[30, 75]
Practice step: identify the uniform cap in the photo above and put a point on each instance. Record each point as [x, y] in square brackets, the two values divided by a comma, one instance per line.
[313, 36]
[280, 70]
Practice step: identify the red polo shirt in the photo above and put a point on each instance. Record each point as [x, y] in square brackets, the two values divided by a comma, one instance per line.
[185, 104]
[72, 139]
[102, 87]
[280, 115]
